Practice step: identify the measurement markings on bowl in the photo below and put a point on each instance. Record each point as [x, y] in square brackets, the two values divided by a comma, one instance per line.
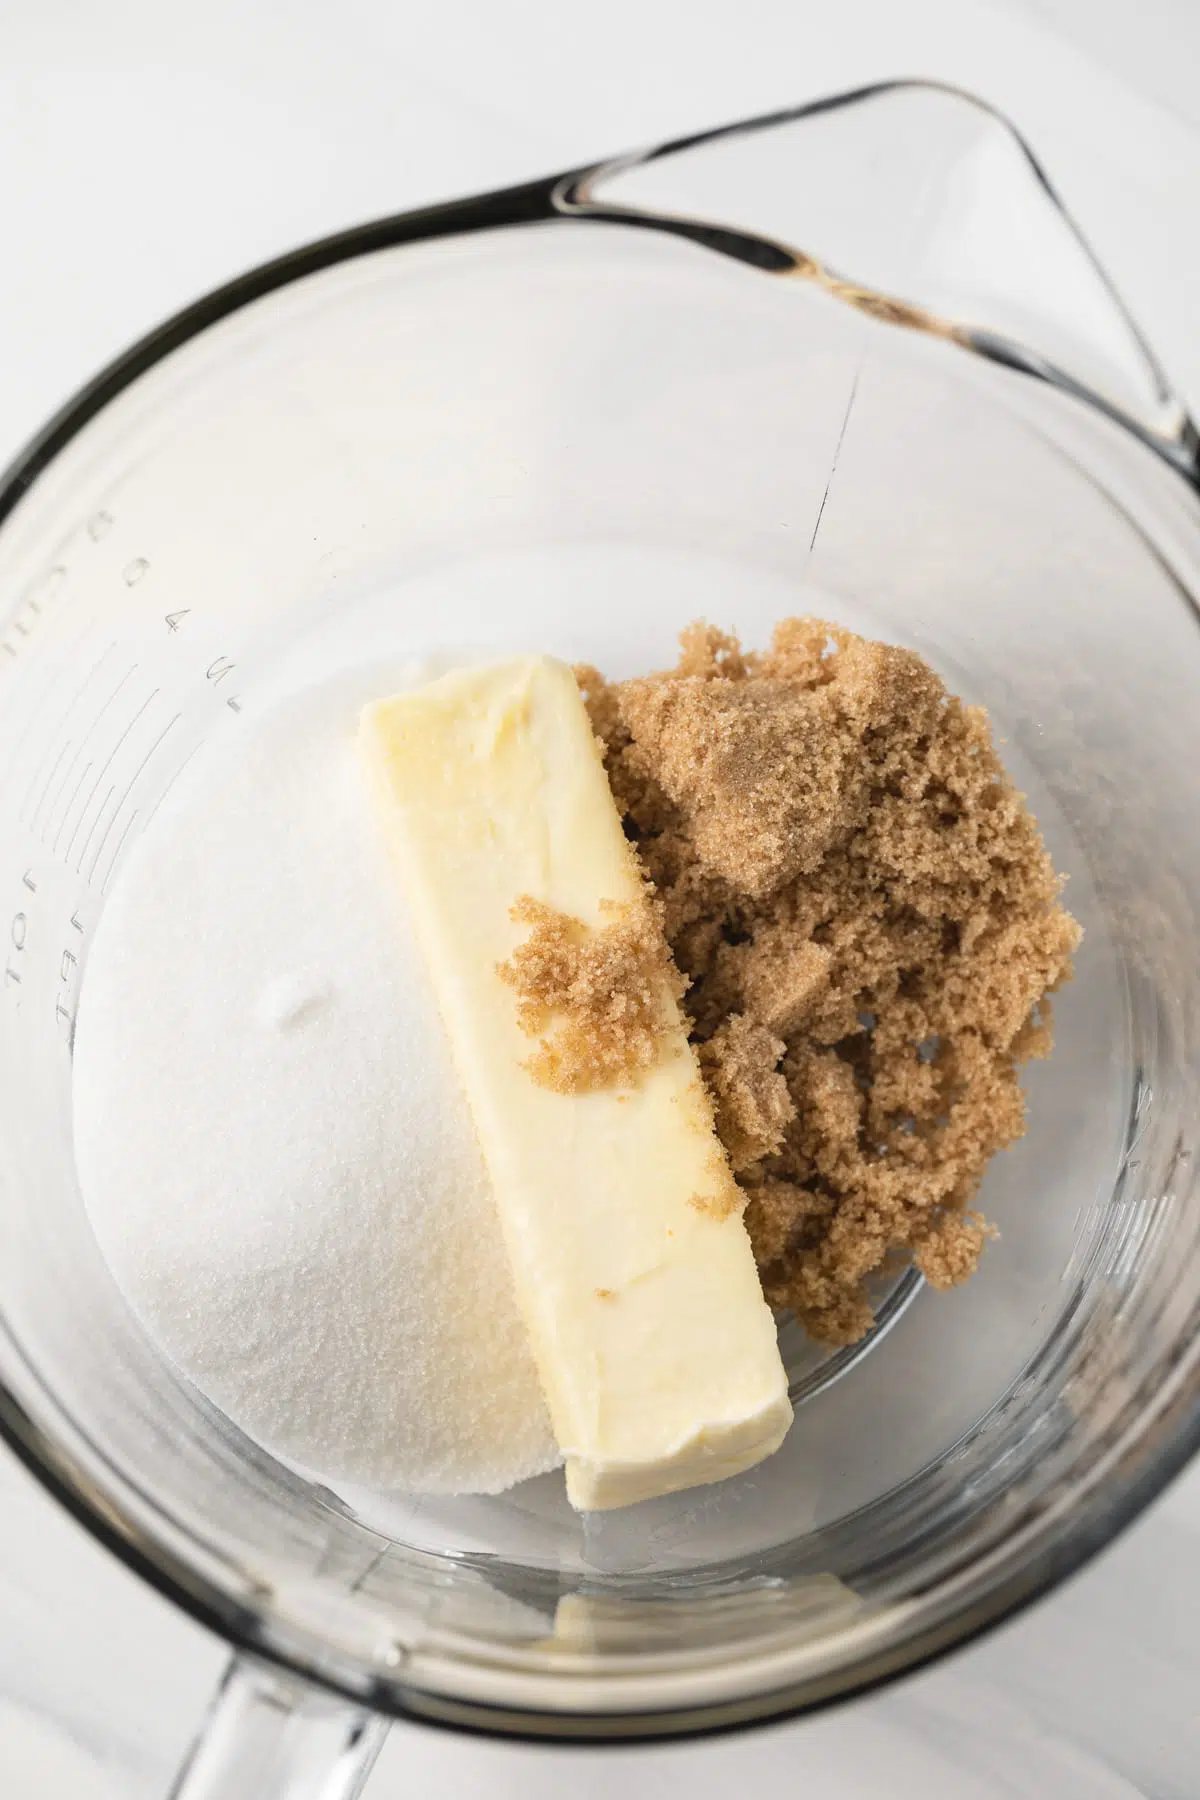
[64, 1000]
[87, 842]
[104, 769]
[39, 781]
[49, 783]
[23, 708]
[31, 609]
[50, 594]
[66, 992]
[28, 632]
[43, 655]
[74, 763]
[112, 861]
[18, 937]
[111, 815]
[66, 813]
[116, 812]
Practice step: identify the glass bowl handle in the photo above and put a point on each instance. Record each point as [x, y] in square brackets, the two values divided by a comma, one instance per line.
[269, 1736]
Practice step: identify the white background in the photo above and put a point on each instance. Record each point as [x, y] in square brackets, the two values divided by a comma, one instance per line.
[149, 150]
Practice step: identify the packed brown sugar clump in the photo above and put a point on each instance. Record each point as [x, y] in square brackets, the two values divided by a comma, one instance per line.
[868, 924]
[593, 998]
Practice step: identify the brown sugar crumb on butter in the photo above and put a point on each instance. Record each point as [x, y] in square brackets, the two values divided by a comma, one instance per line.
[594, 996]
[722, 1203]
[868, 925]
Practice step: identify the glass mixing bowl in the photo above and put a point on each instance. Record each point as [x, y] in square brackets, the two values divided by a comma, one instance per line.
[570, 418]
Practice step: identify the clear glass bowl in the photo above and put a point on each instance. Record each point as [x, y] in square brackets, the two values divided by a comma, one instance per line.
[571, 417]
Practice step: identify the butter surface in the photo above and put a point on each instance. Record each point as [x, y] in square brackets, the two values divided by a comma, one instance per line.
[652, 1340]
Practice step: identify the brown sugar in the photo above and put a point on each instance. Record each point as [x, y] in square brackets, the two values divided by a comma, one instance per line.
[867, 924]
[594, 997]
[753, 1107]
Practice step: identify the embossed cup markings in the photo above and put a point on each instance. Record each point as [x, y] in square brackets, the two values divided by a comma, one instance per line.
[123, 801]
[84, 744]
[103, 772]
[35, 790]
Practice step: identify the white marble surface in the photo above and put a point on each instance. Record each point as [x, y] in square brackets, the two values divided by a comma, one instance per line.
[150, 151]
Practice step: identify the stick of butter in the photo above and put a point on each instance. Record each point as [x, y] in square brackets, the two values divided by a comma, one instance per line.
[633, 1271]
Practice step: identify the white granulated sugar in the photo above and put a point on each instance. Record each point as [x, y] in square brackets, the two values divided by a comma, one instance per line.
[272, 1143]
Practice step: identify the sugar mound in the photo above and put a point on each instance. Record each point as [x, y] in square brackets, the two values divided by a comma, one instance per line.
[273, 1147]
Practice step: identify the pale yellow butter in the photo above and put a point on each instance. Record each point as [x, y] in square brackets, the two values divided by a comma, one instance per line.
[653, 1342]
